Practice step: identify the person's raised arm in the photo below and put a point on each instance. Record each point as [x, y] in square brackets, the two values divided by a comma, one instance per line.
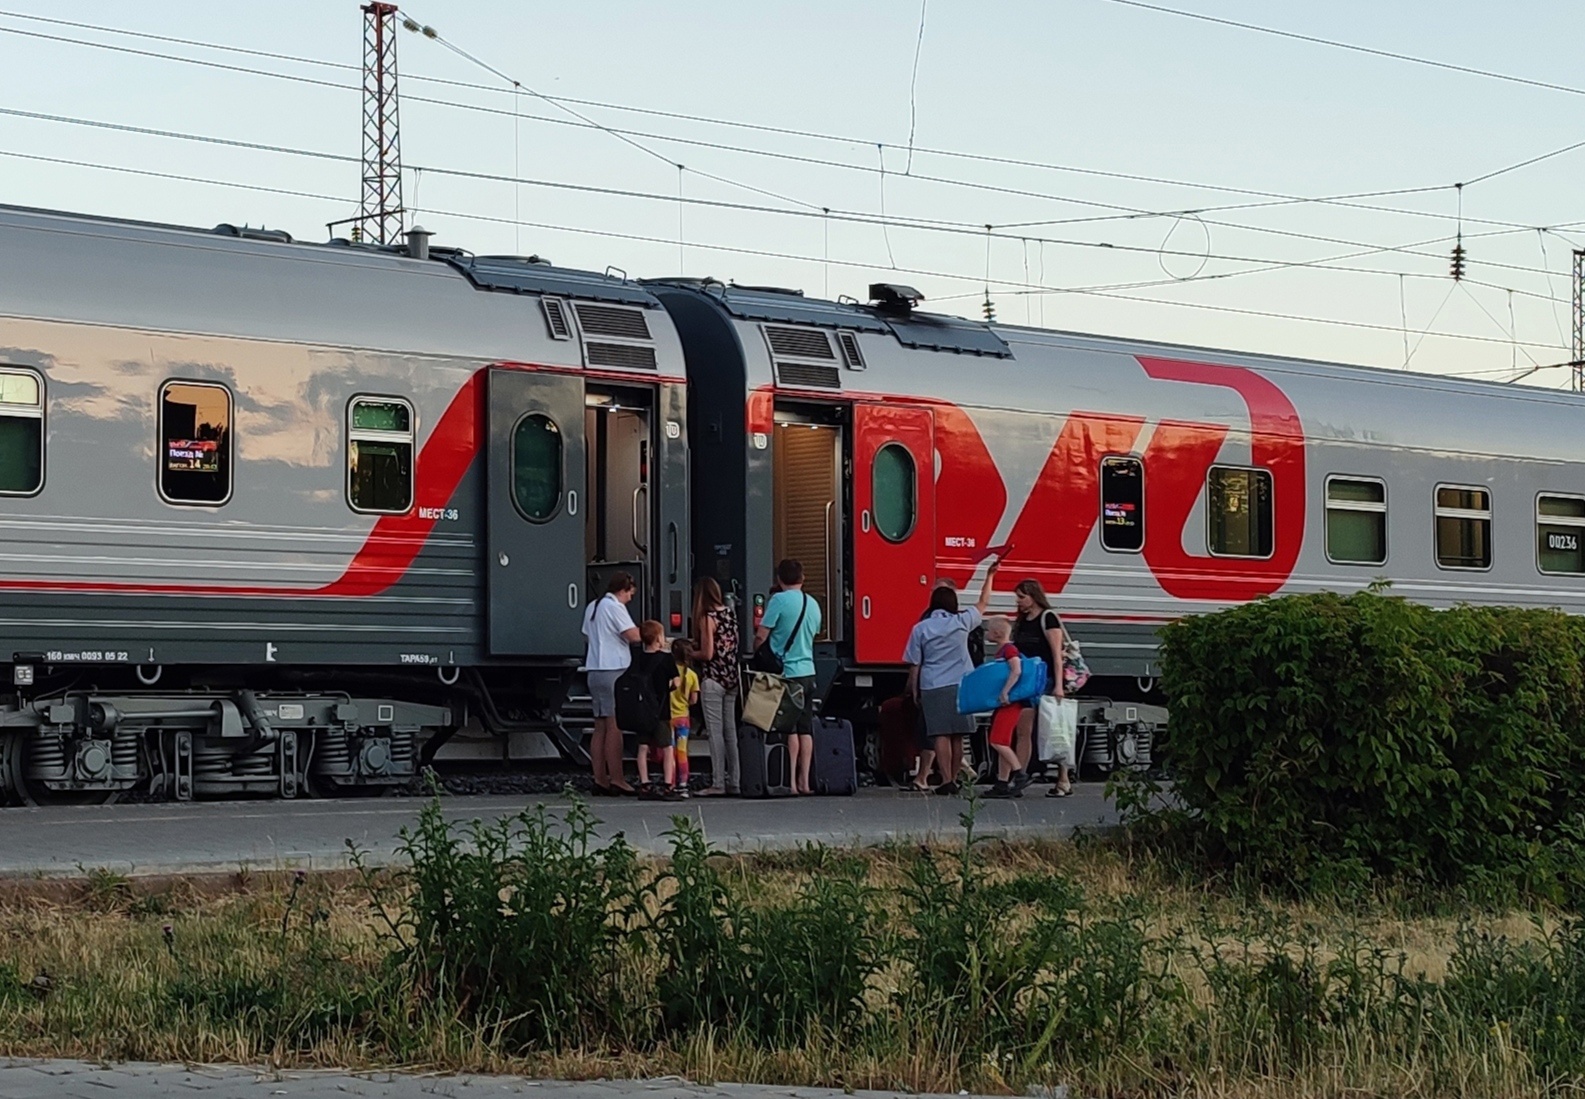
[767, 623]
[984, 602]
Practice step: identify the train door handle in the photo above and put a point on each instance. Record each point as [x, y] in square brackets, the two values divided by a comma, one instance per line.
[642, 547]
[572, 596]
[671, 532]
[572, 502]
[865, 605]
[864, 520]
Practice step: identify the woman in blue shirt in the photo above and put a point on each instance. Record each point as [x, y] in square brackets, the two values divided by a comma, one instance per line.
[938, 658]
[790, 624]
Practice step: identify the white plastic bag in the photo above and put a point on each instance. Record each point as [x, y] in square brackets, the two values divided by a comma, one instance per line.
[1057, 727]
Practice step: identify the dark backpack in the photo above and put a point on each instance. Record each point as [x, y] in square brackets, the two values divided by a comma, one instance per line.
[637, 708]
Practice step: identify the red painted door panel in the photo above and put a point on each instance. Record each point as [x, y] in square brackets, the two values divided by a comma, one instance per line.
[894, 536]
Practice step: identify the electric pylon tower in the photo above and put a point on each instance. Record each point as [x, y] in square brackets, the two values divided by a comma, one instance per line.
[381, 216]
[1578, 362]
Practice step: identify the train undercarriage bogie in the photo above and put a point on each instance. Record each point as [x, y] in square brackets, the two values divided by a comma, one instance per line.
[86, 747]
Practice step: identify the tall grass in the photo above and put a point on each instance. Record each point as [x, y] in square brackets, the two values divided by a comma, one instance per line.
[526, 944]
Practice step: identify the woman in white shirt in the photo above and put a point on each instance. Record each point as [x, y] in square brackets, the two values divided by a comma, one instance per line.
[611, 633]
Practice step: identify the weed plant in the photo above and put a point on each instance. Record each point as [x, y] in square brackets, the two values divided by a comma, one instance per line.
[527, 944]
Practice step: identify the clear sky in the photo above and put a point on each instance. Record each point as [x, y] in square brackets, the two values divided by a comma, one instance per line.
[1077, 84]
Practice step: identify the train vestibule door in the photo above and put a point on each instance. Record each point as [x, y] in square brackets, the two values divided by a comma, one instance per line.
[894, 538]
[535, 529]
[619, 521]
[808, 510]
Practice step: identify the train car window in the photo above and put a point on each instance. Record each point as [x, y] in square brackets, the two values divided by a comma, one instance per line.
[1463, 527]
[21, 432]
[894, 490]
[536, 466]
[1122, 504]
[1356, 521]
[1560, 534]
[1238, 512]
[195, 444]
[380, 455]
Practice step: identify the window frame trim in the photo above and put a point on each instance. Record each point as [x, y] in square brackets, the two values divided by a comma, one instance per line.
[913, 506]
[159, 462]
[374, 435]
[1271, 477]
[1576, 521]
[1355, 505]
[1100, 495]
[561, 467]
[30, 412]
[1489, 515]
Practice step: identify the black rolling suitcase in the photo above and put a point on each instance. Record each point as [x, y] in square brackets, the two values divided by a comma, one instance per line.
[762, 762]
[835, 769]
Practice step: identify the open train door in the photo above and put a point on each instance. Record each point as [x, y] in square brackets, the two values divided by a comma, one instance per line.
[535, 478]
[894, 541]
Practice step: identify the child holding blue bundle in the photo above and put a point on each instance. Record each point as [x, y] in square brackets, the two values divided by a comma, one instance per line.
[1010, 777]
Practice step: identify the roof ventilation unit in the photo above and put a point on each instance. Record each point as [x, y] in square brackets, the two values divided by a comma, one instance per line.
[849, 342]
[556, 318]
[803, 357]
[891, 297]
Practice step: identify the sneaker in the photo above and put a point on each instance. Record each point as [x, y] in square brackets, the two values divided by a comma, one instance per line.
[681, 792]
[670, 793]
[648, 792]
[1019, 780]
[1000, 790]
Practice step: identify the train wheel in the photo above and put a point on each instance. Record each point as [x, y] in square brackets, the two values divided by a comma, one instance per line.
[12, 788]
[15, 789]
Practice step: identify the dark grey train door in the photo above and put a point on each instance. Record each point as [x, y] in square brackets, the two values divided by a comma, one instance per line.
[535, 484]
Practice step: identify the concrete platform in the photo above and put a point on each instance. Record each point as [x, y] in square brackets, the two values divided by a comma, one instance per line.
[264, 835]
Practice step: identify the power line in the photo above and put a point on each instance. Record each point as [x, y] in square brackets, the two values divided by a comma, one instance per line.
[789, 256]
[1275, 198]
[849, 216]
[1371, 50]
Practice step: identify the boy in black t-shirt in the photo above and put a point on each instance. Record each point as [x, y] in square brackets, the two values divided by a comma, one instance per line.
[657, 663]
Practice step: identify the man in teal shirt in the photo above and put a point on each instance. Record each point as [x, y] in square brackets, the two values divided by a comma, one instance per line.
[789, 625]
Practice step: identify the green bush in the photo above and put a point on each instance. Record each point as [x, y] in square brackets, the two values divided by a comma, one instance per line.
[1323, 740]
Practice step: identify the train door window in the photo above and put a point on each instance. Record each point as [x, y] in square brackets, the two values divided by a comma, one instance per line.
[536, 466]
[894, 488]
[1560, 534]
[1122, 504]
[1238, 512]
[21, 432]
[380, 455]
[195, 443]
[1463, 527]
[1356, 521]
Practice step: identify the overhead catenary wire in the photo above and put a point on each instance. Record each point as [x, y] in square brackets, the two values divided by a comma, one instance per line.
[1277, 265]
[854, 217]
[913, 88]
[790, 256]
[1345, 200]
[1392, 55]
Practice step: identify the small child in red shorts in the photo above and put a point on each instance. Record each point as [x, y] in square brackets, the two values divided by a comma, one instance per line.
[998, 635]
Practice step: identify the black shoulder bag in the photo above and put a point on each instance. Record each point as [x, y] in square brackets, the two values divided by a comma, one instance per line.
[766, 659]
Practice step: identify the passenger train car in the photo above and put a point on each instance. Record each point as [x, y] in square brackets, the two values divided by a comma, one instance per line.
[280, 517]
